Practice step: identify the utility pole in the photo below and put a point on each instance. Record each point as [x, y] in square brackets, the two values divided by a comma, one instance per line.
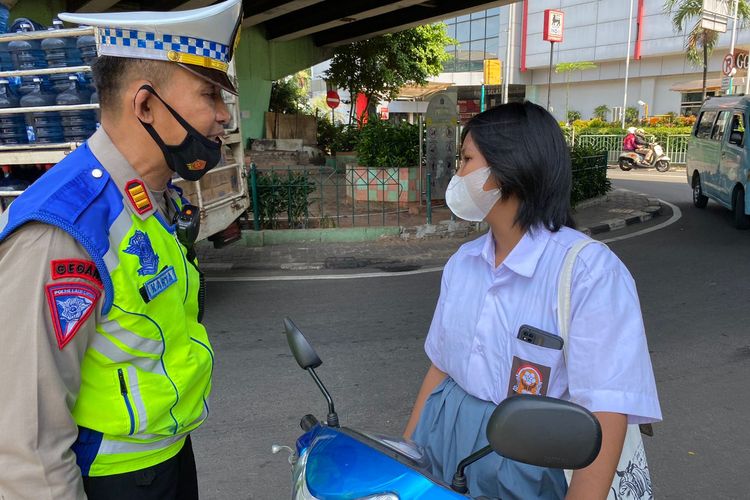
[627, 64]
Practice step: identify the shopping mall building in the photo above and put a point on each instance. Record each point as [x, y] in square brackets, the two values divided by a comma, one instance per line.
[594, 31]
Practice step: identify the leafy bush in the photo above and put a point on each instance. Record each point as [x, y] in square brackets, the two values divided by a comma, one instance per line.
[346, 138]
[574, 115]
[281, 193]
[601, 112]
[631, 115]
[326, 135]
[589, 167]
[385, 145]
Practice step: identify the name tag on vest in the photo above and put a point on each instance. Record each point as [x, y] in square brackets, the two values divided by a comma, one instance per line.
[156, 285]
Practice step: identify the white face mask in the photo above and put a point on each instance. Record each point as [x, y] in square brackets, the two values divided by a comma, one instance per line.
[467, 198]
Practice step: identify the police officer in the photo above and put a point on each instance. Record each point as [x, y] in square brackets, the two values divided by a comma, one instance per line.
[105, 366]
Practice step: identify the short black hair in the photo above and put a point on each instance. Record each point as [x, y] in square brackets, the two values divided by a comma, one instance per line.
[527, 154]
[112, 74]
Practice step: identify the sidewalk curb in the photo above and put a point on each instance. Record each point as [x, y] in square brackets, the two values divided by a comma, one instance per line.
[647, 213]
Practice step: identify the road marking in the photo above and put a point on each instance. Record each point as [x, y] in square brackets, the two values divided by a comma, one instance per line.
[676, 215]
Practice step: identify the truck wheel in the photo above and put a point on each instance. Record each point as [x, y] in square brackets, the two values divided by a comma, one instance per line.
[662, 166]
[699, 199]
[625, 164]
[741, 220]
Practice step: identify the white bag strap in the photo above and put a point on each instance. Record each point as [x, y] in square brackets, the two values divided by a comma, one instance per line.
[564, 285]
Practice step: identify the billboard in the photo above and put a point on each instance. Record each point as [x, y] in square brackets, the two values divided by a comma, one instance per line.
[715, 14]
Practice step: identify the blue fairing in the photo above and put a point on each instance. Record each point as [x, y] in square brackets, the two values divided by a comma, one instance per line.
[343, 465]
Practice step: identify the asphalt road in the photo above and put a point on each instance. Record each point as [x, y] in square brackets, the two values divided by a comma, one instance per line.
[691, 278]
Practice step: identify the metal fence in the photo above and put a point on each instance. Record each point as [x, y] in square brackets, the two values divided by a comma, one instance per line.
[675, 146]
[324, 197]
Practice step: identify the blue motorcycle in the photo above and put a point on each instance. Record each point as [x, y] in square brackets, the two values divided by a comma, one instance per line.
[337, 463]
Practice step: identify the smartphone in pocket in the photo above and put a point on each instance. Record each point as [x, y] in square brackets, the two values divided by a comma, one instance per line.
[539, 337]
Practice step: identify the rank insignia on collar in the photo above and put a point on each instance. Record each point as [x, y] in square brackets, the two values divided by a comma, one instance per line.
[140, 245]
[70, 305]
[138, 196]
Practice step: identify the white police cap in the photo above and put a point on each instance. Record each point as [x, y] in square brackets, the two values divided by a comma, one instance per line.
[200, 40]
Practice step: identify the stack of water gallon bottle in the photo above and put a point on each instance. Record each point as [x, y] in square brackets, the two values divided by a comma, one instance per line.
[32, 92]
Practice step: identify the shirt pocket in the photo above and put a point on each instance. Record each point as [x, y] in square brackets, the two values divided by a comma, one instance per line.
[533, 369]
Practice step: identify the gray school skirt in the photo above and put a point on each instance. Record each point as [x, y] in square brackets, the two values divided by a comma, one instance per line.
[453, 425]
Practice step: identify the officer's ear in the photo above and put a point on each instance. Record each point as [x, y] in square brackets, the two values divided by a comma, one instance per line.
[143, 103]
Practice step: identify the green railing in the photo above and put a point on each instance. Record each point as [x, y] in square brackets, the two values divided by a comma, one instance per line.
[322, 197]
[675, 146]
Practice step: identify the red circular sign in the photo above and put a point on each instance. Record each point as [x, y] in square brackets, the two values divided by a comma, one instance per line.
[727, 64]
[332, 99]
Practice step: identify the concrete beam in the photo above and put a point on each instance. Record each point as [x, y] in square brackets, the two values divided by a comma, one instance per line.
[257, 12]
[91, 5]
[330, 14]
[424, 13]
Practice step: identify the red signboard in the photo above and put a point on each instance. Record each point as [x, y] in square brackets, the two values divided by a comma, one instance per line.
[553, 25]
[332, 99]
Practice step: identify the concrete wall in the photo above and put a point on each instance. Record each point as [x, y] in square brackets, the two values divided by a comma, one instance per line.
[258, 63]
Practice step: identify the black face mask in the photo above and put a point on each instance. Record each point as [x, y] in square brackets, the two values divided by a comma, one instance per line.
[195, 156]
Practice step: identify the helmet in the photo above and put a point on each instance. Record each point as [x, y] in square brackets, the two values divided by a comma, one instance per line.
[640, 131]
[631, 130]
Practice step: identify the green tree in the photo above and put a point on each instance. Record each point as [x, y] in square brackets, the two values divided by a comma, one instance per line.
[381, 66]
[567, 69]
[700, 42]
[602, 112]
[289, 95]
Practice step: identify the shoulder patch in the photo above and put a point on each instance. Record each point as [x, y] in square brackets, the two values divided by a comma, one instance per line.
[75, 268]
[70, 305]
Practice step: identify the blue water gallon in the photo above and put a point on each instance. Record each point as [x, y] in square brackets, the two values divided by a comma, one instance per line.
[12, 127]
[26, 55]
[43, 127]
[6, 63]
[57, 56]
[77, 125]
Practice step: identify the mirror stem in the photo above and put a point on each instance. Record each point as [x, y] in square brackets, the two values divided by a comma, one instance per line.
[333, 419]
[459, 479]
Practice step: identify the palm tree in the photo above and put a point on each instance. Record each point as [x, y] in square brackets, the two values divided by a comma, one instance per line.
[568, 68]
[700, 42]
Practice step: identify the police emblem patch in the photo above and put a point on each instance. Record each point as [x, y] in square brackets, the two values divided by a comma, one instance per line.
[70, 305]
[140, 245]
[528, 378]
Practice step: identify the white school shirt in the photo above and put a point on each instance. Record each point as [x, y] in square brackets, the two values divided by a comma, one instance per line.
[473, 333]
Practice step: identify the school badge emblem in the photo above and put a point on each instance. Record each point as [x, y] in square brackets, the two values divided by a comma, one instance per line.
[140, 245]
[528, 378]
[70, 305]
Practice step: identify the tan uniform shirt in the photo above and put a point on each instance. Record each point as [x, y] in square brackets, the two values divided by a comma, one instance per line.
[39, 382]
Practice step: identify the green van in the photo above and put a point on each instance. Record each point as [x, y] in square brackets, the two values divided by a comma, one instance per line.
[718, 161]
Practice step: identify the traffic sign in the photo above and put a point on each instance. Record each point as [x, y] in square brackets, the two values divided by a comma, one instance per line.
[727, 64]
[332, 99]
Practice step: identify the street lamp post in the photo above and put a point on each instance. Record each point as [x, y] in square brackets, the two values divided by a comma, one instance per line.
[644, 105]
[627, 64]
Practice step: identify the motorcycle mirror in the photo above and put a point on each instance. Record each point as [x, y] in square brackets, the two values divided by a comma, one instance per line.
[301, 349]
[545, 431]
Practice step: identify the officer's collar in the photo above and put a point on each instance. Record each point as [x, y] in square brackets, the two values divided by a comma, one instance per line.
[138, 198]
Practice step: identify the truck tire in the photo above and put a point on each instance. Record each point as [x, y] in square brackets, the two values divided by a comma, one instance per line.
[700, 200]
[741, 220]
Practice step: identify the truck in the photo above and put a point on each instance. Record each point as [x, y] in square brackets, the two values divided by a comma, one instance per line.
[221, 194]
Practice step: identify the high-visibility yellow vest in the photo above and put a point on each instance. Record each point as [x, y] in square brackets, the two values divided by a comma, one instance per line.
[146, 374]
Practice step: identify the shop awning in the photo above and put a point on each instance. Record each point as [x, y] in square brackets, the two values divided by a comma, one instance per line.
[423, 92]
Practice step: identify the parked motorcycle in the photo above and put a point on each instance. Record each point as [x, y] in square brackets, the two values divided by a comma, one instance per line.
[659, 160]
[337, 463]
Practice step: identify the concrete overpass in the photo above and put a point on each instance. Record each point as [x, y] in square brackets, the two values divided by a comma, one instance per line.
[281, 37]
